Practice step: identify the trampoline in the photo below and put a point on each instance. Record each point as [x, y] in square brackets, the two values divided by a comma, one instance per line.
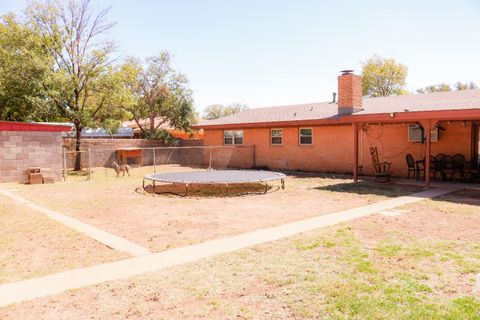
[214, 177]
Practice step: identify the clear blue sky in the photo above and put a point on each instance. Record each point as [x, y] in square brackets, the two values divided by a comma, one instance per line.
[273, 52]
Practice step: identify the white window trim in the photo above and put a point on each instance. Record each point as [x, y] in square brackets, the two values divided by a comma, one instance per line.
[300, 136]
[224, 137]
[281, 137]
[233, 138]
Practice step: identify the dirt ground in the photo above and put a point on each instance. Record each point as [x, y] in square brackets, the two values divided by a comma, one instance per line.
[420, 264]
[33, 245]
[432, 219]
[161, 222]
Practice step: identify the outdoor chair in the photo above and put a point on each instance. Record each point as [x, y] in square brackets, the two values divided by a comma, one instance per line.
[437, 165]
[411, 166]
[448, 169]
[414, 166]
[459, 165]
[472, 171]
[382, 169]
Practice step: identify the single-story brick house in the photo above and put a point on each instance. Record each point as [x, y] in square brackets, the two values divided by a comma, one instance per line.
[24, 145]
[337, 136]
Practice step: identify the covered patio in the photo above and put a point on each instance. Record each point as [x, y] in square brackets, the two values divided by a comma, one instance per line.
[448, 138]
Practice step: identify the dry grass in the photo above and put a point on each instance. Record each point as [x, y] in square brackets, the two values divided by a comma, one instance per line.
[160, 222]
[33, 245]
[410, 266]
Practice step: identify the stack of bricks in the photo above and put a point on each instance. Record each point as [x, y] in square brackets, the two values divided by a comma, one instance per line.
[20, 150]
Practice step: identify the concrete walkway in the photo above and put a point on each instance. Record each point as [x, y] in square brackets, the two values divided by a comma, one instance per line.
[101, 236]
[77, 278]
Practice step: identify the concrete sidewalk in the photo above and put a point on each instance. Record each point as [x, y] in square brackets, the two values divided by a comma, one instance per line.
[77, 278]
[108, 239]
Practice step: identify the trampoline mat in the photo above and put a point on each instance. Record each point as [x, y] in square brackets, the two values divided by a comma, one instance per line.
[216, 176]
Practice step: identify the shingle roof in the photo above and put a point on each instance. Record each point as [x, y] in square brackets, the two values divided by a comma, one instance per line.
[452, 100]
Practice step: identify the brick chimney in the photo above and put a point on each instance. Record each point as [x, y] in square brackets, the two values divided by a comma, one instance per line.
[349, 93]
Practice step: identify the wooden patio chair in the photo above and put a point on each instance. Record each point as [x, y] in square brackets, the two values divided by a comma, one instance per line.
[382, 169]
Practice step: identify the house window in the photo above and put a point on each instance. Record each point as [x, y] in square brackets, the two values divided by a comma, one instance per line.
[233, 137]
[305, 136]
[276, 136]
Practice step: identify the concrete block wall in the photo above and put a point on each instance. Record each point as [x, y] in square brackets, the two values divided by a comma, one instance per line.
[22, 149]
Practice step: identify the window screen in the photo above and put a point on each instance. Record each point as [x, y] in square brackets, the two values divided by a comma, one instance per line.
[306, 135]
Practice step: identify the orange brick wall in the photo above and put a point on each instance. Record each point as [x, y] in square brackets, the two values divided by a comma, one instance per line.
[227, 156]
[332, 149]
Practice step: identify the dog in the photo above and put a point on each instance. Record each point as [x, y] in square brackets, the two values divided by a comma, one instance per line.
[121, 168]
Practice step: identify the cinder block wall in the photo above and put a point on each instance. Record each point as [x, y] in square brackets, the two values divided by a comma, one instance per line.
[22, 149]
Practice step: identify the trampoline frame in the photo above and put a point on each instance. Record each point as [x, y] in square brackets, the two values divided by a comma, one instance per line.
[281, 177]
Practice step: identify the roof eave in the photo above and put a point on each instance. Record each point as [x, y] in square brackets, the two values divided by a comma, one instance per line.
[27, 126]
[412, 116]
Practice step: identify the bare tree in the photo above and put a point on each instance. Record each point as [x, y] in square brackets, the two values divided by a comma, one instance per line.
[80, 85]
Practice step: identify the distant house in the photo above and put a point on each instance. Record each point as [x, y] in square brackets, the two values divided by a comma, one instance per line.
[100, 133]
[337, 136]
[178, 134]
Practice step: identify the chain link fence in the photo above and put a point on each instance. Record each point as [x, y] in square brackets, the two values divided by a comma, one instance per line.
[209, 157]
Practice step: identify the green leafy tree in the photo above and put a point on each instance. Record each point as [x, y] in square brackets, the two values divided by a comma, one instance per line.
[24, 66]
[383, 77]
[82, 84]
[216, 111]
[160, 96]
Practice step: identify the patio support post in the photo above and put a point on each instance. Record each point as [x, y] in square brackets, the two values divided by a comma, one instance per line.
[355, 151]
[427, 127]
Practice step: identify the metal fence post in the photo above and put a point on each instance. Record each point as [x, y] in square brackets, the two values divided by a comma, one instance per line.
[64, 163]
[210, 159]
[154, 167]
[89, 163]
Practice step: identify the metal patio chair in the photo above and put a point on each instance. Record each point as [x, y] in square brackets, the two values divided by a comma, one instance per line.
[437, 165]
[448, 169]
[459, 165]
[417, 167]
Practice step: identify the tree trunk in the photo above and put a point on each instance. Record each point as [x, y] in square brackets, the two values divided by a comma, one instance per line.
[152, 123]
[78, 155]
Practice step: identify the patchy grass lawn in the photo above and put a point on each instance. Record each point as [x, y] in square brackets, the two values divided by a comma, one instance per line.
[161, 222]
[33, 245]
[418, 265]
